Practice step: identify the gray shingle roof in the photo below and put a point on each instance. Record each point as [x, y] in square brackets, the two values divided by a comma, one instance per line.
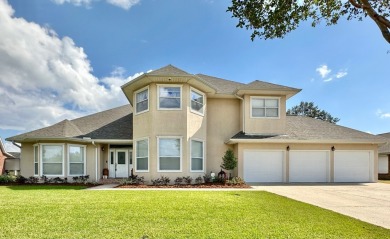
[110, 124]
[222, 86]
[168, 70]
[261, 85]
[301, 128]
[385, 149]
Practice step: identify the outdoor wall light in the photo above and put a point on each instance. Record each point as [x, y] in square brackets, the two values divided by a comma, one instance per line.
[333, 148]
[103, 148]
[288, 148]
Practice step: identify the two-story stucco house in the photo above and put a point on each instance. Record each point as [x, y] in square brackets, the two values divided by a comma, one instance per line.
[181, 124]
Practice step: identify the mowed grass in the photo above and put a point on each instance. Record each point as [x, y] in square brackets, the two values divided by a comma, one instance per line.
[69, 212]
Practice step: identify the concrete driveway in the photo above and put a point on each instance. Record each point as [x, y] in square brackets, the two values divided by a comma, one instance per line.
[369, 202]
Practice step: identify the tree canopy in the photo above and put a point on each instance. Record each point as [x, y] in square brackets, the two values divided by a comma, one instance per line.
[275, 18]
[311, 110]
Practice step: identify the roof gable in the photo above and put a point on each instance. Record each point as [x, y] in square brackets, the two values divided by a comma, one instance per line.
[168, 70]
[2, 149]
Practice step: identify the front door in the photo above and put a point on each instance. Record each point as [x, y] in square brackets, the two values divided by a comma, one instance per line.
[119, 163]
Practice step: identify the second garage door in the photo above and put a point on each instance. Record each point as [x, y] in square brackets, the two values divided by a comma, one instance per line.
[263, 166]
[309, 166]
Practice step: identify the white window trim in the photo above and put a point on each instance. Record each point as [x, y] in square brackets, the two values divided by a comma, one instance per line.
[135, 100]
[181, 154]
[264, 97]
[135, 159]
[204, 101]
[203, 156]
[169, 85]
[85, 159]
[36, 160]
[41, 163]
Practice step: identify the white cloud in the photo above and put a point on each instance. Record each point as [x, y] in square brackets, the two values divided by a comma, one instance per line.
[74, 2]
[45, 79]
[9, 147]
[323, 70]
[341, 74]
[329, 79]
[125, 4]
[383, 115]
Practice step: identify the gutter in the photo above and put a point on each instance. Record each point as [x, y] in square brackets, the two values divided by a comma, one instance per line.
[243, 111]
[295, 141]
[17, 145]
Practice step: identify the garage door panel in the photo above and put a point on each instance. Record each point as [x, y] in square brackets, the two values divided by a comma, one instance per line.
[263, 166]
[352, 166]
[309, 166]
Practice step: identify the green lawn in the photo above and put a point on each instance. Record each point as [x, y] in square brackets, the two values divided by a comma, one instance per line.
[68, 212]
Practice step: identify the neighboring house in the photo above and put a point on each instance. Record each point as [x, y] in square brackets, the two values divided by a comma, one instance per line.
[12, 165]
[384, 158]
[180, 124]
[4, 155]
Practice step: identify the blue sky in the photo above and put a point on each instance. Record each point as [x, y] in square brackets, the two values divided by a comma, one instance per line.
[68, 58]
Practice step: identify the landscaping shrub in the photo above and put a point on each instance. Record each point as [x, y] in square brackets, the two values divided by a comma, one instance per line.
[81, 179]
[161, 181]
[20, 179]
[178, 180]
[198, 180]
[187, 180]
[132, 180]
[32, 180]
[5, 178]
[207, 178]
[235, 181]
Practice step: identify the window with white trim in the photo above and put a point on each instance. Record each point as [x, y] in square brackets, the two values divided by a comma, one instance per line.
[76, 160]
[142, 101]
[169, 97]
[197, 101]
[169, 154]
[36, 160]
[197, 156]
[52, 160]
[264, 107]
[142, 155]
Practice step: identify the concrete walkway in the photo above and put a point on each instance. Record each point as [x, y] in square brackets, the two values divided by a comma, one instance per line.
[369, 202]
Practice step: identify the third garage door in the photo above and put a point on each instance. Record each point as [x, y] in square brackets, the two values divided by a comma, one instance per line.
[309, 166]
[352, 166]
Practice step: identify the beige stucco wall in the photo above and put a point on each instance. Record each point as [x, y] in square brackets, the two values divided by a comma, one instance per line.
[265, 125]
[306, 146]
[223, 123]
[181, 123]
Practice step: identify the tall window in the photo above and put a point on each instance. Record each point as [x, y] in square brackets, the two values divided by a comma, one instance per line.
[36, 160]
[169, 97]
[52, 160]
[142, 101]
[169, 154]
[197, 102]
[142, 155]
[76, 160]
[264, 107]
[197, 162]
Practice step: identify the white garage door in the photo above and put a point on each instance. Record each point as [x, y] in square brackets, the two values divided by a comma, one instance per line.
[263, 166]
[383, 164]
[352, 166]
[309, 166]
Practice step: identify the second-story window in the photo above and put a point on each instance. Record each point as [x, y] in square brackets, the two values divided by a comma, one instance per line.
[197, 102]
[169, 97]
[264, 107]
[142, 101]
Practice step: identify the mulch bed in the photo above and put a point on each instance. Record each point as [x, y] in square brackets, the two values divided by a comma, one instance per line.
[211, 185]
[88, 185]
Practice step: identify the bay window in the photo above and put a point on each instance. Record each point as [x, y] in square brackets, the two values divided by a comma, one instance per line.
[169, 97]
[76, 160]
[142, 155]
[169, 154]
[197, 156]
[52, 158]
[142, 101]
[197, 102]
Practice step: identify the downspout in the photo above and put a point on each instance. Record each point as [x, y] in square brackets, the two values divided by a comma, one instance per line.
[243, 111]
[17, 145]
[96, 161]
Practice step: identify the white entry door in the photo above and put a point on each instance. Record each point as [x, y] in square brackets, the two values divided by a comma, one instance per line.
[118, 167]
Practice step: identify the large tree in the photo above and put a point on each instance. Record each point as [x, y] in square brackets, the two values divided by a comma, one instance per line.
[311, 110]
[276, 18]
